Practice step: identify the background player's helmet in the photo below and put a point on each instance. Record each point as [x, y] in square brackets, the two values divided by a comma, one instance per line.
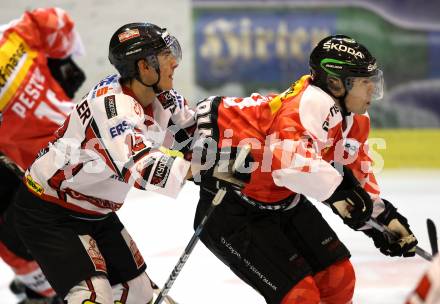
[342, 57]
[135, 41]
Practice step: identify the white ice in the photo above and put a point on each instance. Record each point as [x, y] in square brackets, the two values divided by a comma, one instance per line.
[162, 227]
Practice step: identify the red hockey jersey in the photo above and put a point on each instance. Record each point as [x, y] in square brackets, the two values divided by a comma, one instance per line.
[32, 102]
[294, 137]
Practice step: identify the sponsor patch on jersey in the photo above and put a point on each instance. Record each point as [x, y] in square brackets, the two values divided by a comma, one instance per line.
[33, 185]
[16, 60]
[119, 129]
[137, 257]
[137, 108]
[130, 34]
[93, 251]
[351, 146]
[42, 152]
[162, 171]
[326, 123]
[83, 111]
[110, 106]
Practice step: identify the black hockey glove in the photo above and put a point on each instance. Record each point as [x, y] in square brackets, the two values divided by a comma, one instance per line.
[229, 177]
[226, 178]
[403, 244]
[67, 74]
[218, 171]
[350, 201]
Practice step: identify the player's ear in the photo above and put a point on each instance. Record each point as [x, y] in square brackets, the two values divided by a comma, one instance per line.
[142, 65]
[335, 86]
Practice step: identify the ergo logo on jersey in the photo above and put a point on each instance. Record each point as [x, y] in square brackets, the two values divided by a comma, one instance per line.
[119, 129]
[342, 48]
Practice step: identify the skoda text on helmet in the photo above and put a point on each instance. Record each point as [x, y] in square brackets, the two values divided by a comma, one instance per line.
[135, 41]
[342, 57]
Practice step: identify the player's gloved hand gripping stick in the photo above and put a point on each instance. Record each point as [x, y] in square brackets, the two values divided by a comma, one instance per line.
[391, 232]
[372, 222]
[225, 178]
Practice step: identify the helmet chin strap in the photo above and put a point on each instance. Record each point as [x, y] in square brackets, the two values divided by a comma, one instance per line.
[155, 85]
[343, 106]
[341, 100]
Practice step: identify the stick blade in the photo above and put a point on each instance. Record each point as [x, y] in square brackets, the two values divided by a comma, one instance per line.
[432, 233]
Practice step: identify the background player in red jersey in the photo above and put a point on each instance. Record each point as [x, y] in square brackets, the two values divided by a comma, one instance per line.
[311, 140]
[38, 79]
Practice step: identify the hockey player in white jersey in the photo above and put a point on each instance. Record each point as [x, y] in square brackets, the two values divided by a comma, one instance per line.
[118, 136]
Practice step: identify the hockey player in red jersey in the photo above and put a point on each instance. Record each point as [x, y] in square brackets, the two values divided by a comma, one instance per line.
[310, 140]
[428, 288]
[37, 81]
[117, 137]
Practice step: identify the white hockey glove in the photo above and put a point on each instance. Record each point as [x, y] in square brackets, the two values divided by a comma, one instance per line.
[404, 244]
[171, 99]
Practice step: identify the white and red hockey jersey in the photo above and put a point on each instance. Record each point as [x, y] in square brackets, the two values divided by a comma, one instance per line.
[294, 137]
[108, 144]
[428, 288]
[32, 102]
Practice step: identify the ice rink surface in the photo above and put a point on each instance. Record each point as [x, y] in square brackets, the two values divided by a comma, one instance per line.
[162, 227]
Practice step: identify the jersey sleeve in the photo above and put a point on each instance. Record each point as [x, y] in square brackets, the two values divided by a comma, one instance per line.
[50, 30]
[297, 164]
[131, 153]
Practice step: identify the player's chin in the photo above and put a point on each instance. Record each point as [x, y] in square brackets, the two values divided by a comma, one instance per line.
[360, 110]
[167, 85]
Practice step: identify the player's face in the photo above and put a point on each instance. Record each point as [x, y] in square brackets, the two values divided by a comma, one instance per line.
[168, 63]
[360, 95]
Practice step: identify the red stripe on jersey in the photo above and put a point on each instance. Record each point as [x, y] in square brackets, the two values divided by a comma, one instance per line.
[91, 289]
[124, 295]
[62, 130]
[98, 202]
[63, 203]
[423, 287]
[92, 136]
[59, 177]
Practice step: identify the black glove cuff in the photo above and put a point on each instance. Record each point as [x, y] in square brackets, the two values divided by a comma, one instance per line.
[67, 73]
[349, 181]
[391, 213]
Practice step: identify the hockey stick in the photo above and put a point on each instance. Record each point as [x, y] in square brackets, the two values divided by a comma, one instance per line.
[385, 230]
[432, 233]
[156, 291]
[239, 161]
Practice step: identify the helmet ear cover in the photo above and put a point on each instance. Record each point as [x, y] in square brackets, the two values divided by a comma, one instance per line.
[336, 86]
